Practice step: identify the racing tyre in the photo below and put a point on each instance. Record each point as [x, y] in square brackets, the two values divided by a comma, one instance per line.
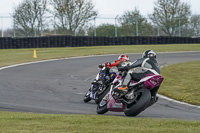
[87, 98]
[143, 99]
[101, 96]
[102, 107]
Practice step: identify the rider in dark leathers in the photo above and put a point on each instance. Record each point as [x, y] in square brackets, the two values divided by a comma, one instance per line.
[149, 65]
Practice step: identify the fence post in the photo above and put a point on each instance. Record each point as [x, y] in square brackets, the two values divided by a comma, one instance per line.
[2, 34]
[116, 26]
[136, 26]
[95, 34]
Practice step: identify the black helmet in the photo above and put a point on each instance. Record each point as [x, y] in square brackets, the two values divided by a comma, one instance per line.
[149, 54]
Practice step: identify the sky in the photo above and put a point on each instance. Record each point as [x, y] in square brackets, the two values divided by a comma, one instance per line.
[105, 8]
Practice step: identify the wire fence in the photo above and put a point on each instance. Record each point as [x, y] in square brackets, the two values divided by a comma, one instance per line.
[7, 28]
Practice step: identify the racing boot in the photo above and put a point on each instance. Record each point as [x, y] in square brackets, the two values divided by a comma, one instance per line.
[123, 87]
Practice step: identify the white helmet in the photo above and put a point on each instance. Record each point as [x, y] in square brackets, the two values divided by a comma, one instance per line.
[123, 57]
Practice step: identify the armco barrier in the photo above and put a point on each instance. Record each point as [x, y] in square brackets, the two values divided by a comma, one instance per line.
[77, 41]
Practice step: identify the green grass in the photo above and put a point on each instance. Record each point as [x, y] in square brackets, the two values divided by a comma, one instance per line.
[182, 82]
[15, 56]
[11, 122]
[50, 123]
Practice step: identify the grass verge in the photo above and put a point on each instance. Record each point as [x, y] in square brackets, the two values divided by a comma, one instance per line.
[15, 56]
[49, 123]
[182, 82]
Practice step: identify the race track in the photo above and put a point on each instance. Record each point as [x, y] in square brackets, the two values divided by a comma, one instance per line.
[58, 87]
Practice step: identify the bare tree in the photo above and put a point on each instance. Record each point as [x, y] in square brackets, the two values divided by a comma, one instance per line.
[71, 15]
[170, 15]
[29, 17]
[195, 24]
[134, 24]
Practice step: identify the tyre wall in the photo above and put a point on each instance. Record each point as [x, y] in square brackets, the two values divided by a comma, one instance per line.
[81, 41]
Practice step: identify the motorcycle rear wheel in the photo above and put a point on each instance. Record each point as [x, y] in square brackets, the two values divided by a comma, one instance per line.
[143, 100]
[102, 107]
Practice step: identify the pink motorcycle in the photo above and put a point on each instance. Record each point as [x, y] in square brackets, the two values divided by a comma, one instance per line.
[132, 101]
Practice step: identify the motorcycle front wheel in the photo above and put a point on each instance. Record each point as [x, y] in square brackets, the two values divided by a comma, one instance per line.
[87, 98]
[99, 97]
[102, 107]
[142, 100]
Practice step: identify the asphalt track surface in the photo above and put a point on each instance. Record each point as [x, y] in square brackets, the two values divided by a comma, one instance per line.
[58, 87]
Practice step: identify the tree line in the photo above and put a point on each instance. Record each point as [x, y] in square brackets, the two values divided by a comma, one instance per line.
[73, 17]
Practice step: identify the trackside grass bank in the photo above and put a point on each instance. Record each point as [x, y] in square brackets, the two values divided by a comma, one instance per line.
[49, 123]
[11, 122]
[16, 56]
[182, 82]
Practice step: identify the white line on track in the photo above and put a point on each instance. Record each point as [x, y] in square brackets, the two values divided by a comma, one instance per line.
[89, 77]
[73, 77]
[161, 96]
[172, 100]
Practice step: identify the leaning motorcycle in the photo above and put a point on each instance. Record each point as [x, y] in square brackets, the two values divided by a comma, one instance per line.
[100, 86]
[132, 101]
